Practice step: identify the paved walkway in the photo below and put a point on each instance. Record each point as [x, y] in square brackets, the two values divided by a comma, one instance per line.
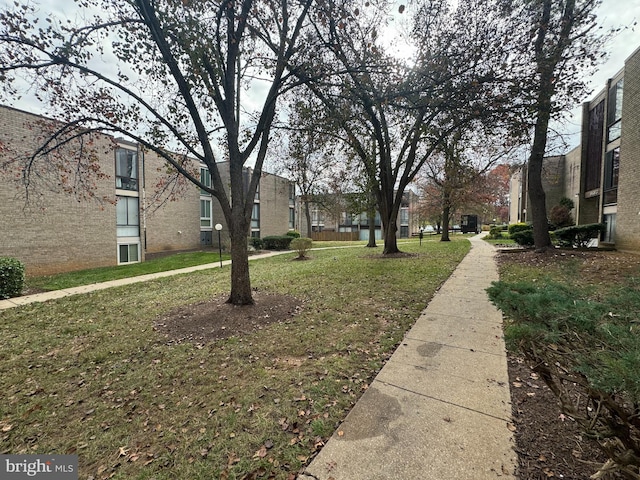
[440, 407]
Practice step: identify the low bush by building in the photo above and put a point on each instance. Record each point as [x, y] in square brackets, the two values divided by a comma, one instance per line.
[11, 277]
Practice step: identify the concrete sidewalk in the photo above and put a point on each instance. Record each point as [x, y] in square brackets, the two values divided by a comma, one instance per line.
[440, 407]
[46, 296]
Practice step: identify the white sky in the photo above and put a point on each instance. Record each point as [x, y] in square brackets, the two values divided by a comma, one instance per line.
[612, 14]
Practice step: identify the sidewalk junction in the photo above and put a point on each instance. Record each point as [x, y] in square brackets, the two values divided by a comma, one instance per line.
[438, 410]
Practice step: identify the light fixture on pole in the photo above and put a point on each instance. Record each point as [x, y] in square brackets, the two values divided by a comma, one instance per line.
[218, 227]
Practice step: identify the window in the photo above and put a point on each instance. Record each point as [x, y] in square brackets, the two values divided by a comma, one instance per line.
[292, 218]
[614, 111]
[127, 217]
[404, 215]
[594, 148]
[257, 195]
[609, 235]
[126, 169]
[611, 175]
[255, 216]
[205, 179]
[292, 193]
[129, 253]
[205, 212]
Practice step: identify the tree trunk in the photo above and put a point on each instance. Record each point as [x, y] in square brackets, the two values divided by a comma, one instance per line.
[307, 214]
[240, 279]
[446, 211]
[537, 197]
[389, 229]
[372, 229]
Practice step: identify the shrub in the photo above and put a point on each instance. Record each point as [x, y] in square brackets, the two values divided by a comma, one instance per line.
[495, 232]
[256, 243]
[587, 350]
[11, 277]
[524, 237]
[518, 227]
[567, 202]
[301, 245]
[277, 242]
[578, 235]
[560, 216]
[293, 233]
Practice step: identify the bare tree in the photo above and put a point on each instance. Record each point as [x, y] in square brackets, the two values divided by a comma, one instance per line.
[406, 108]
[171, 75]
[554, 43]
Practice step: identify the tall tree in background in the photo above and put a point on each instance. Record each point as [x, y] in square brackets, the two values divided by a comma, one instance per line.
[374, 96]
[310, 155]
[174, 80]
[460, 170]
[558, 41]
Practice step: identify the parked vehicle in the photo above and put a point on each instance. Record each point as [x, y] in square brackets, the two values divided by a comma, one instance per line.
[469, 223]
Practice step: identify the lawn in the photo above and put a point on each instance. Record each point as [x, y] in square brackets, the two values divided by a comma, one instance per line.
[89, 374]
[103, 274]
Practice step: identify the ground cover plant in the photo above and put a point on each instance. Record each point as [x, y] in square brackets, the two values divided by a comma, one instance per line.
[164, 380]
[573, 316]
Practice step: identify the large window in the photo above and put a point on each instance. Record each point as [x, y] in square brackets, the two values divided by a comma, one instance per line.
[594, 148]
[404, 215]
[292, 194]
[205, 179]
[614, 111]
[611, 175]
[129, 253]
[205, 212]
[127, 217]
[255, 217]
[126, 169]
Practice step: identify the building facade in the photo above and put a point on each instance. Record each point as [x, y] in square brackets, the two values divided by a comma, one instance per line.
[54, 227]
[333, 217]
[273, 210]
[602, 175]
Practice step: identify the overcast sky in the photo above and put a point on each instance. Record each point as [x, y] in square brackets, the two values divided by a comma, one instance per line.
[612, 14]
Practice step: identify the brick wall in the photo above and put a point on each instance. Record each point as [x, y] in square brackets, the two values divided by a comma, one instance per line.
[274, 205]
[55, 231]
[171, 224]
[628, 215]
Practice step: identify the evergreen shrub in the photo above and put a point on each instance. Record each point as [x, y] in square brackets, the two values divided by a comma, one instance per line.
[11, 277]
[276, 242]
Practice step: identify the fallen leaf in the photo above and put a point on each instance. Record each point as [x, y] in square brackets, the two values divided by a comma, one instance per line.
[261, 453]
[341, 433]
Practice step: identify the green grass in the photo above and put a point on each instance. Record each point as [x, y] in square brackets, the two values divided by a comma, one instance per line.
[103, 274]
[89, 375]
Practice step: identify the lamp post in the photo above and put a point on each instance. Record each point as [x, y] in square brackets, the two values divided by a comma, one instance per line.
[218, 227]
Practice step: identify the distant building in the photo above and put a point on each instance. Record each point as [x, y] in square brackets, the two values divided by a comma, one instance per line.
[123, 222]
[602, 175]
[336, 218]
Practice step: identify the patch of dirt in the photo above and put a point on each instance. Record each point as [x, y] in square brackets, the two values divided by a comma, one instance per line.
[215, 319]
[549, 445]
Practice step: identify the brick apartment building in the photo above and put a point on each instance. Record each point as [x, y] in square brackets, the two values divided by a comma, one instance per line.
[58, 231]
[334, 218]
[601, 175]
